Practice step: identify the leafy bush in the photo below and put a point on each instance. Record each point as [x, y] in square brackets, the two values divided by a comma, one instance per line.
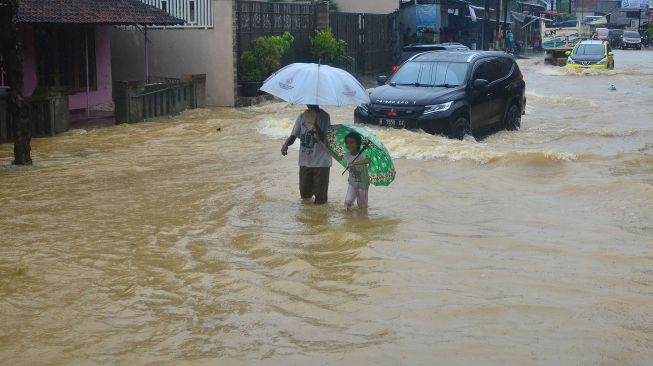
[265, 57]
[649, 31]
[326, 49]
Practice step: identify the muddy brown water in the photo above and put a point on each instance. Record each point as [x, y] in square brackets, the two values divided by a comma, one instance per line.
[173, 243]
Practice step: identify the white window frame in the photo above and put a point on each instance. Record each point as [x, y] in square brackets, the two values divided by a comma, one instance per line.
[201, 17]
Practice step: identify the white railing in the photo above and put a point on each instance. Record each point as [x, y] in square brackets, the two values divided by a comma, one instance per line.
[196, 13]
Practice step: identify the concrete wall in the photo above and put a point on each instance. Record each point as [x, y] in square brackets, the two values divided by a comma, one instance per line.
[367, 6]
[100, 95]
[173, 52]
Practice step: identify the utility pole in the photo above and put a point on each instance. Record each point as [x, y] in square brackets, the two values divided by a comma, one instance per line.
[498, 21]
[486, 24]
[12, 62]
[505, 13]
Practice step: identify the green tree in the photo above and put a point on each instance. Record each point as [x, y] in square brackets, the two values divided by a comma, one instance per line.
[265, 57]
[326, 49]
[649, 31]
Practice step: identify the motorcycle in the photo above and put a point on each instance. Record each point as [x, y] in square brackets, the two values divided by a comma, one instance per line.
[646, 41]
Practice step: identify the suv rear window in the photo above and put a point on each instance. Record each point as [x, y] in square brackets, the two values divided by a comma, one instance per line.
[431, 73]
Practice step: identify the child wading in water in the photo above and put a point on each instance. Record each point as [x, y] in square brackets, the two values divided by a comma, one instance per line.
[359, 179]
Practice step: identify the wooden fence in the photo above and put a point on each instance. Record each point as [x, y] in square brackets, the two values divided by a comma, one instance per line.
[372, 39]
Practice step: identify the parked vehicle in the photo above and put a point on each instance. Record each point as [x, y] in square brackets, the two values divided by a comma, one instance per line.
[631, 39]
[558, 39]
[593, 54]
[449, 92]
[601, 34]
[414, 49]
[614, 36]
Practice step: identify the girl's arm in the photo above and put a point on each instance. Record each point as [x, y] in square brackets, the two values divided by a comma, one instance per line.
[333, 155]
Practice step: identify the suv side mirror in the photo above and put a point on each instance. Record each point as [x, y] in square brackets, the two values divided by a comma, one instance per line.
[480, 83]
[568, 53]
[381, 80]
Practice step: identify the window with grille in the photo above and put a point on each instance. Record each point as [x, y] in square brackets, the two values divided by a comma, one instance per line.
[61, 57]
[196, 13]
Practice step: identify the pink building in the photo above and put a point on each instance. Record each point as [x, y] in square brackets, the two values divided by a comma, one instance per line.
[66, 44]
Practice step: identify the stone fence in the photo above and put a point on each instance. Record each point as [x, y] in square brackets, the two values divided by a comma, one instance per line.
[47, 110]
[136, 101]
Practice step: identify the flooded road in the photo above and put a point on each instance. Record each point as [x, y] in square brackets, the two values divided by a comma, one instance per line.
[184, 242]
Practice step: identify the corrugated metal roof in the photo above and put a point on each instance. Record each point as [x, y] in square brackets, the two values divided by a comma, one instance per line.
[110, 12]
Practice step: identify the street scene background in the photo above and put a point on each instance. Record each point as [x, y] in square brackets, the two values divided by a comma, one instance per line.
[182, 241]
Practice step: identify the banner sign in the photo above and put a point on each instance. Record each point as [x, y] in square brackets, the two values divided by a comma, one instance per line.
[427, 17]
[634, 4]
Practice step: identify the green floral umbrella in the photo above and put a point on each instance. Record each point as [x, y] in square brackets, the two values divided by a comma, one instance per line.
[381, 169]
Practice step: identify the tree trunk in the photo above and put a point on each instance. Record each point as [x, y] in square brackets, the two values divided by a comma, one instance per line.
[13, 64]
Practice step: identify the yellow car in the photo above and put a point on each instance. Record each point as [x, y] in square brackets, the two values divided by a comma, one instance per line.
[591, 54]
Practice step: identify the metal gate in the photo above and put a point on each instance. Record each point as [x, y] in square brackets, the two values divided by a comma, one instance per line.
[255, 19]
[372, 39]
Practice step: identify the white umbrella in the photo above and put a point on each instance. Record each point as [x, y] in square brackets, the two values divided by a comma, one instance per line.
[315, 84]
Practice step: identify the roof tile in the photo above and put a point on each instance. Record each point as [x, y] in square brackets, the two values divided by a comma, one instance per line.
[114, 12]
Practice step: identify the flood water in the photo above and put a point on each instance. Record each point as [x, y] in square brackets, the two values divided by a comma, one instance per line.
[184, 241]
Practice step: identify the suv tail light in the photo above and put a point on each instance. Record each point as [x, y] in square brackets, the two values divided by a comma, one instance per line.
[521, 76]
[395, 68]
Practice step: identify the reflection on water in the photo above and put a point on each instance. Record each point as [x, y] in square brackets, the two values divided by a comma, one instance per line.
[185, 242]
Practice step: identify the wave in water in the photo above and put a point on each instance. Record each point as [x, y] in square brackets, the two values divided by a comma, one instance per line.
[405, 144]
[558, 100]
[568, 71]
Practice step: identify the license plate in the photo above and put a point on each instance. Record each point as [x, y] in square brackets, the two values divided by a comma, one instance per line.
[396, 123]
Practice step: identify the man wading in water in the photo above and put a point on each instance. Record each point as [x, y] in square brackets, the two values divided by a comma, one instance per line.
[314, 159]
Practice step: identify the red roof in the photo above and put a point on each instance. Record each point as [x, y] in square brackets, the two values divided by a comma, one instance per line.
[110, 12]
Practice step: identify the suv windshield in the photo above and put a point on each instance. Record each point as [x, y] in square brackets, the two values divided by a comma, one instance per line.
[589, 49]
[631, 35]
[431, 74]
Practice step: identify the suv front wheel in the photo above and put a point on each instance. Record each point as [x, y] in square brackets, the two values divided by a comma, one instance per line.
[459, 128]
[513, 118]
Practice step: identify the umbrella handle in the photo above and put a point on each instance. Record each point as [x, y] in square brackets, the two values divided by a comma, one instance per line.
[359, 154]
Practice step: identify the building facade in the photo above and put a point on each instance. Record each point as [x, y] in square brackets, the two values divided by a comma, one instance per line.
[204, 45]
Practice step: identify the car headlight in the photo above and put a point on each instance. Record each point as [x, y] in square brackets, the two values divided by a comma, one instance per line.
[571, 61]
[437, 107]
[364, 108]
[601, 62]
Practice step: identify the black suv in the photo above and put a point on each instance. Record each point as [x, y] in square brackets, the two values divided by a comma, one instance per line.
[449, 92]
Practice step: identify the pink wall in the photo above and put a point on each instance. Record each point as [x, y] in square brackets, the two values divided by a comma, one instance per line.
[103, 94]
[26, 38]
